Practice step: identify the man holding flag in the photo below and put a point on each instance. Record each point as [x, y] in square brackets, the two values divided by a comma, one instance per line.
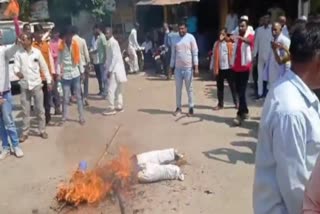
[8, 129]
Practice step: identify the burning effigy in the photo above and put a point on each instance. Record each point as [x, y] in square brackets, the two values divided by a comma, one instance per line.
[118, 175]
[97, 184]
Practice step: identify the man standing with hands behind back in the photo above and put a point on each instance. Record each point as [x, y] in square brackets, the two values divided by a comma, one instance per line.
[184, 59]
[28, 64]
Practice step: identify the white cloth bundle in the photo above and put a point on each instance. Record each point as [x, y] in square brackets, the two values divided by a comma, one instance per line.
[156, 157]
[155, 172]
[153, 166]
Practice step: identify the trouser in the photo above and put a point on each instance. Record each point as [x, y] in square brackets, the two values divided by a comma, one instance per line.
[85, 90]
[56, 100]
[104, 80]
[241, 82]
[255, 79]
[261, 65]
[97, 69]
[46, 101]
[74, 83]
[8, 128]
[184, 75]
[167, 61]
[37, 95]
[133, 60]
[225, 74]
[115, 93]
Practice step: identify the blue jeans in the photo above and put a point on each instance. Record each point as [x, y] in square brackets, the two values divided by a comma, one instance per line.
[74, 83]
[7, 126]
[186, 76]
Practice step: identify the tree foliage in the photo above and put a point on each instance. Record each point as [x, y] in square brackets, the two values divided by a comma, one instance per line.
[72, 7]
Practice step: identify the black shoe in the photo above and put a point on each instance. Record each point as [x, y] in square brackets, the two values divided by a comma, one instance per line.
[57, 111]
[86, 103]
[44, 135]
[177, 112]
[217, 108]
[259, 98]
[191, 112]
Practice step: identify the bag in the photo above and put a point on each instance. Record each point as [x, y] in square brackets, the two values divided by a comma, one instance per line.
[155, 172]
[157, 157]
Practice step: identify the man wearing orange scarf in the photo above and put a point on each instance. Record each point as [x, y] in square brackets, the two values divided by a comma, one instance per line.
[220, 64]
[71, 67]
[44, 48]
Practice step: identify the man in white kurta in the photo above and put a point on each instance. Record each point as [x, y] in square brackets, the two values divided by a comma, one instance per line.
[116, 74]
[273, 70]
[133, 46]
[262, 49]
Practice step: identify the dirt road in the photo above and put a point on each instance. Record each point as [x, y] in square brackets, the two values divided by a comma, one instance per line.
[218, 177]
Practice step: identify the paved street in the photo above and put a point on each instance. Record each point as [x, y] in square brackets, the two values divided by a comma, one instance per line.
[218, 178]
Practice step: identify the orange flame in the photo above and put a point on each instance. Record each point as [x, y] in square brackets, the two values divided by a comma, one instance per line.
[13, 9]
[93, 186]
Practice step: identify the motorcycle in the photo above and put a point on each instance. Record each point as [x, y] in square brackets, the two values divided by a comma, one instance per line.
[126, 59]
[140, 54]
[159, 57]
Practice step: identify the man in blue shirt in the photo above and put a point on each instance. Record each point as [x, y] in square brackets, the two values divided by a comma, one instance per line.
[289, 135]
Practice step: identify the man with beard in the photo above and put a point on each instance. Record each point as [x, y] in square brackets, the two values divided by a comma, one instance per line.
[242, 65]
[184, 61]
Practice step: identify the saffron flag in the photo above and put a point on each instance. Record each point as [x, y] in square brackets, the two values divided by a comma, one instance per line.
[13, 9]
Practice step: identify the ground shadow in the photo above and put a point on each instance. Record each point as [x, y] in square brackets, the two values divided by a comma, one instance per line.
[95, 110]
[199, 117]
[234, 156]
[94, 97]
[156, 111]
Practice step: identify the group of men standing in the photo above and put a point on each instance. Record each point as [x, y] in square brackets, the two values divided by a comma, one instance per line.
[235, 53]
[46, 66]
[288, 142]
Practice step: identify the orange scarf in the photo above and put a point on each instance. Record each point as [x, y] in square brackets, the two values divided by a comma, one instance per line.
[44, 48]
[75, 51]
[216, 55]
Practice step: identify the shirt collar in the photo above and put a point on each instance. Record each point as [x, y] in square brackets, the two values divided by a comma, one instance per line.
[31, 50]
[305, 91]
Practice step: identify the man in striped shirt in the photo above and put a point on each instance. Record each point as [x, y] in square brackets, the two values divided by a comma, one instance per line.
[184, 60]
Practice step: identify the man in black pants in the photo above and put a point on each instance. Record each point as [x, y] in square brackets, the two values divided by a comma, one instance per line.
[220, 63]
[242, 65]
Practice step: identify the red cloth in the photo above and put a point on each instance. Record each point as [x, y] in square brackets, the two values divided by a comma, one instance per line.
[237, 64]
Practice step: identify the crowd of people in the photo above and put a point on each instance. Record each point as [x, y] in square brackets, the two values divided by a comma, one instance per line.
[53, 70]
[286, 76]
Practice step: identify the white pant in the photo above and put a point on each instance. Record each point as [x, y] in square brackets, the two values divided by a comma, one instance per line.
[133, 59]
[115, 93]
[261, 65]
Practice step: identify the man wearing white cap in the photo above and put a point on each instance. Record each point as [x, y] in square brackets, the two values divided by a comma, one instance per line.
[250, 28]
